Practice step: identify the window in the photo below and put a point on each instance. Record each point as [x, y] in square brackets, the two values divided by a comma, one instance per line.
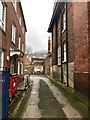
[2, 15]
[18, 67]
[64, 52]
[64, 20]
[20, 20]
[13, 33]
[12, 69]
[19, 43]
[1, 60]
[21, 68]
[23, 30]
[14, 4]
[22, 47]
[59, 56]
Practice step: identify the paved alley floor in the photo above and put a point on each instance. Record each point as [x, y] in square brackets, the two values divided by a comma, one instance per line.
[47, 101]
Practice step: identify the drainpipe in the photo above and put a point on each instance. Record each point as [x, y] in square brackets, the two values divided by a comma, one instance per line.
[67, 43]
[61, 45]
[56, 43]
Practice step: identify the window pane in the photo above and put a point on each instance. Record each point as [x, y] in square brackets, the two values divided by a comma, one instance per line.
[1, 13]
[1, 60]
[65, 56]
[19, 44]
[59, 51]
[65, 46]
[13, 33]
[0, 57]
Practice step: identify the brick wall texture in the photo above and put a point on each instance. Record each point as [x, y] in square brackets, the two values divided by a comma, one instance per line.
[6, 36]
[78, 30]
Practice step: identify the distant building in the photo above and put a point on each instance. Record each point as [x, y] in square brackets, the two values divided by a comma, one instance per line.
[69, 26]
[48, 59]
[38, 65]
[28, 67]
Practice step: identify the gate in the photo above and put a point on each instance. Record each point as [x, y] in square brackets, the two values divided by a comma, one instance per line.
[4, 94]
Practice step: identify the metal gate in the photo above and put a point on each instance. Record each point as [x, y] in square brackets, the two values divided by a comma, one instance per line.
[4, 94]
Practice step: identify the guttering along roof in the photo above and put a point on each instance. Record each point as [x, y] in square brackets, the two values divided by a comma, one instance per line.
[23, 15]
[56, 12]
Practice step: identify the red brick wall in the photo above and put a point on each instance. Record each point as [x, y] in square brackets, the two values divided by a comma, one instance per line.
[89, 33]
[10, 20]
[80, 36]
[89, 46]
[58, 32]
[6, 37]
[80, 21]
[70, 33]
[78, 42]
[47, 65]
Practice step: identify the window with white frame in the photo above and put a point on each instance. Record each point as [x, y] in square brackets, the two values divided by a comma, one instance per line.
[18, 67]
[20, 20]
[12, 69]
[59, 56]
[19, 43]
[13, 33]
[1, 60]
[64, 20]
[2, 15]
[22, 47]
[14, 4]
[22, 68]
[64, 52]
[23, 30]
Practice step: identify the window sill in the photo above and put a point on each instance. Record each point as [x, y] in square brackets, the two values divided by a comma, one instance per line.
[3, 30]
[59, 65]
[64, 62]
[63, 30]
[13, 43]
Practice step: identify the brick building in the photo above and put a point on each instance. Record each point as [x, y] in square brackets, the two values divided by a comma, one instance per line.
[12, 37]
[38, 65]
[70, 28]
[48, 59]
[28, 67]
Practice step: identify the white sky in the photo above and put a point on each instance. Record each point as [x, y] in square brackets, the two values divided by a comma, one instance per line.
[37, 15]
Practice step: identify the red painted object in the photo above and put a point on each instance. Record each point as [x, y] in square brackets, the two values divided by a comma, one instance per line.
[13, 85]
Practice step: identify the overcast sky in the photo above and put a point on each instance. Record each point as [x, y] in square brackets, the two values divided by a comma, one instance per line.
[37, 15]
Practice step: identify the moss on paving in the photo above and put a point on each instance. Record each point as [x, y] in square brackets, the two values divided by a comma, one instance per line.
[13, 105]
[23, 104]
[77, 100]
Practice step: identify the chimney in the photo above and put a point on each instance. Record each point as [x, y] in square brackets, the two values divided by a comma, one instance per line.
[54, 1]
[49, 45]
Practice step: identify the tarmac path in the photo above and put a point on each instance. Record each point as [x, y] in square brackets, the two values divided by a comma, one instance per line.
[47, 101]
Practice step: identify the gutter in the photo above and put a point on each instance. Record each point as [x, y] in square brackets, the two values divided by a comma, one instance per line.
[53, 17]
[67, 44]
[61, 46]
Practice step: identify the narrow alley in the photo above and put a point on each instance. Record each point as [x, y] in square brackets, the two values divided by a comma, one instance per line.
[47, 101]
[44, 59]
